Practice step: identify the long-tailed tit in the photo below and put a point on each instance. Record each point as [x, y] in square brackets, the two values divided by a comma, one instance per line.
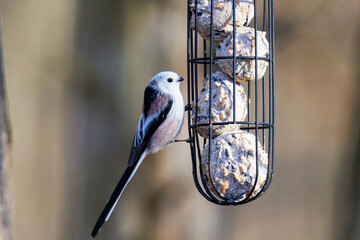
[160, 123]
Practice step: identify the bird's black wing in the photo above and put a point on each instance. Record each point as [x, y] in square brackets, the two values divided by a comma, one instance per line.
[155, 110]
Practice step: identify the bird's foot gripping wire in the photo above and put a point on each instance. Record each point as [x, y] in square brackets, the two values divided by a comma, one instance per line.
[188, 107]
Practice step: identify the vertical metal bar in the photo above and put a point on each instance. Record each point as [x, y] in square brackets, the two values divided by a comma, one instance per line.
[195, 86]
[263, 84]
[256, 105]
[190, 94]
[273, 83]
[249, 100]
[211, 69]
[271, 101]
[210, 96]
[188, 61]
[265, 186]
[234, 61]
[205, 53]
[188, 72]
[192, 66]
[196, 67]
[249, 90]
[192, 132]
[197, 98]
[268, 177]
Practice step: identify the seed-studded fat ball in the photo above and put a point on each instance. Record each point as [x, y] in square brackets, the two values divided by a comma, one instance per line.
[221, 105]
[233, 166]
[222, 17]
[245, 46]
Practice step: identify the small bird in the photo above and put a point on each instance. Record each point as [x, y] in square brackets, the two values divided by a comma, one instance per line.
[160, 123]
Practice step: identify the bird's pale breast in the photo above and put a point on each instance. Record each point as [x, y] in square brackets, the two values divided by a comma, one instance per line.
[167, 132]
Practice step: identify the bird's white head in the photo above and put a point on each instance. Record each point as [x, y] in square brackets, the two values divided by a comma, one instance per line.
[167, 82]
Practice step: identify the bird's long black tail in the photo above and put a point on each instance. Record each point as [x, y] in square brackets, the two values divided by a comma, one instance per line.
[110, 205]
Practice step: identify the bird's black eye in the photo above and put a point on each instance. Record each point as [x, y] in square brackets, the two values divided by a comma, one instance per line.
[170, 79]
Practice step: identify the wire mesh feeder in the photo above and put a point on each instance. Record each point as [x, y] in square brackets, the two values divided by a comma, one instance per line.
[231, 116]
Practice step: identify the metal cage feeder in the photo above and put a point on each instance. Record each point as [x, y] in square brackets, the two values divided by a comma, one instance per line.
[201, 61]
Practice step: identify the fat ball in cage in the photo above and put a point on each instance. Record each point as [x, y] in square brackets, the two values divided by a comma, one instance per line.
[236, 164]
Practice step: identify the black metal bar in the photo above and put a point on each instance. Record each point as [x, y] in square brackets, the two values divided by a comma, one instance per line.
[196, 66]
[234, 60]
[230, 122]
[197, 98]
[192, 67]
[205, 52]
[190, 100]
[273, 87]
[215, 59]
[256, 108]
[210, 98]
[270, 168]
[270, 150]
[263, 82]
[249, 101]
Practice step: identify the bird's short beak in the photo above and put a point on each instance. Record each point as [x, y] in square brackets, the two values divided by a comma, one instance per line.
[181, 79]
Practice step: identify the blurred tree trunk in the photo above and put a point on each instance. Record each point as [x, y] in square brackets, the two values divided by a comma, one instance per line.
[5, 159]
[351, 206]
[347, 215]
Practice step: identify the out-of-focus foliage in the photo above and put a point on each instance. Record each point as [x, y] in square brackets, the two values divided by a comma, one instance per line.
[76, 71]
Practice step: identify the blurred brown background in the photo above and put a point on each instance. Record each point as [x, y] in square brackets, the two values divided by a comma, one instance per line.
[75, 73]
